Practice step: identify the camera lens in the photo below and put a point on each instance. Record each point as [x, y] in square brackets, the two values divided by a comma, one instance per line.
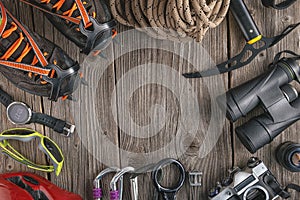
[256, 192]
[288, 155]
[296, 159]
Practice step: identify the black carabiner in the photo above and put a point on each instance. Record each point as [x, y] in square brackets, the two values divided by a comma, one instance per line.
[168, 193]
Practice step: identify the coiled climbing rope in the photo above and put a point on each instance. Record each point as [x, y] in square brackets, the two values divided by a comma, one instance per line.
[178, 20]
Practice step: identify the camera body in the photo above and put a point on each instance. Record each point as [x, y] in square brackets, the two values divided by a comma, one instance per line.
[255, 182]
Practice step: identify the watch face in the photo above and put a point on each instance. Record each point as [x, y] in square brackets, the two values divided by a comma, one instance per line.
[18, 113]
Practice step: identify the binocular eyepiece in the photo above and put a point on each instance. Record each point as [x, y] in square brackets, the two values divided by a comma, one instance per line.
[274, 93]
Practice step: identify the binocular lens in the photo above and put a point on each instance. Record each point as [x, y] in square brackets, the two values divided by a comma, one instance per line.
[253, 135]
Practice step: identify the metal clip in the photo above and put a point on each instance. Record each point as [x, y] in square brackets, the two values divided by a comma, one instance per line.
[195, 178]
[115, 194]
[97, 191]
[68, 129]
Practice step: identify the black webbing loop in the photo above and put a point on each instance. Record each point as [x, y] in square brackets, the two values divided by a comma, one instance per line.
[280, 6]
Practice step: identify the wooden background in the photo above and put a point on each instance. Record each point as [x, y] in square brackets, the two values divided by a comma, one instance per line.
[81, 167]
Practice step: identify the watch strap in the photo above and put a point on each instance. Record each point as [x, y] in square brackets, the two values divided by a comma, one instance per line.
[5, 98]
[57, 125]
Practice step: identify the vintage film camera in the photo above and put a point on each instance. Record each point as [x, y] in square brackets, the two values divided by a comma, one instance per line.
[255, 182]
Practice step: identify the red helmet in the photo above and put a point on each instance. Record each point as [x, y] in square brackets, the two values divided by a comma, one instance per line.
[27, 186]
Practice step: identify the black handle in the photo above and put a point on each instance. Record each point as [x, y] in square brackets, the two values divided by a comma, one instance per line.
[245, 21]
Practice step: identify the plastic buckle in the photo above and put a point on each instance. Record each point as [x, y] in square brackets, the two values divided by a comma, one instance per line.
[94, 35]
[195, 178]
[62, 75]
[68, 129]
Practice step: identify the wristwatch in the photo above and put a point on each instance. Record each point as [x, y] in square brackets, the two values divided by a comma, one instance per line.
[20, 113]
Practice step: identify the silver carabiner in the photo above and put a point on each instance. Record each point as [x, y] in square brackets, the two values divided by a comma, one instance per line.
[114, 192]
[97, 191]
[134, 179]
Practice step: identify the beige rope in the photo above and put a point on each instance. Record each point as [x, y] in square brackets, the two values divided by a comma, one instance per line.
[178, 20]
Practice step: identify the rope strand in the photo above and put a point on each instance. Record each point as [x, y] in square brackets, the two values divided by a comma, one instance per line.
[178, 20]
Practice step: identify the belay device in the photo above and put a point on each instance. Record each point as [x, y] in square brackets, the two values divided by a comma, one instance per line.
[279, 99]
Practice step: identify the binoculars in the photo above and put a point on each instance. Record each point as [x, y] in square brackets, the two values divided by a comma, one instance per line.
[273, 92]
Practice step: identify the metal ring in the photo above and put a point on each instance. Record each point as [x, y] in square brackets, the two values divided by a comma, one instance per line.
[158, 168]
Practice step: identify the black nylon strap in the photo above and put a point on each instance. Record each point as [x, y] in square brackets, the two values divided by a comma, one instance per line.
[49, 121]
[293, 187]
[237, 61]
[277, 57]
[285, 193]
[5, 98]
[282, 5]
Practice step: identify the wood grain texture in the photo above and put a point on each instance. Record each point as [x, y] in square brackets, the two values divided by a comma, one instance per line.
[84, 151]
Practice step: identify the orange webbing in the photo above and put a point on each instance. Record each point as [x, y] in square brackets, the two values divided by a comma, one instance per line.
[9, 31]
[26, 50]
[25, 67]
[58, 5]
[67, 15]
[11, 50]
[35, 47]
[71, 10]
[4, 19]
[83, 12]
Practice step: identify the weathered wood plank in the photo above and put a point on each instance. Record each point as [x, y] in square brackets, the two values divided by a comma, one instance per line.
[147, 95]
[82, 164]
